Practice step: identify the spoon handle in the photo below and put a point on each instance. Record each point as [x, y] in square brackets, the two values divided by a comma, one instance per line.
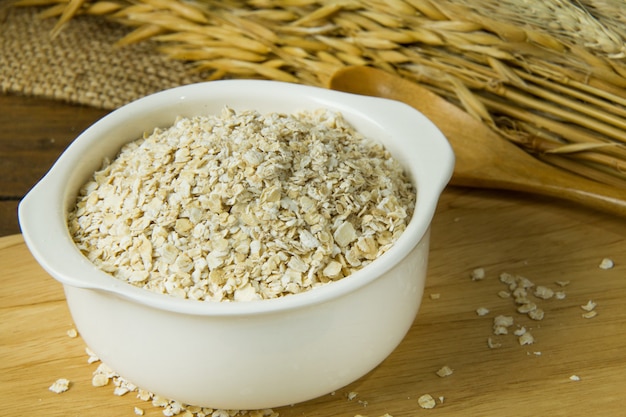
[527, 174]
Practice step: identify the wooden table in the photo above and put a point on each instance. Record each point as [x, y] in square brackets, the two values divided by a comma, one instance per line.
[543, 240]
[33, 133]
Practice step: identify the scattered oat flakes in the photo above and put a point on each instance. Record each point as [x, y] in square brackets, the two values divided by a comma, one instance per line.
[120, 391]
[501, 324]
[426, 401]
[60, 385]
[500, 330]
[590, 314]
[72, 333]
[520, 331]
[504, 294]
[352, 395]
[445, 371]
[562, 283]
[542, 292]
[527, 307]
[492, 344]
[482, 311]
[524, 282]
[478, 274]
[508, 279]
[99, 380]
[92, 356]
[504, 321]
[520, 294]
[536, 314]
[537, 353]
[526, 339]
[589, 306]
[559, 295]
[144, 395]
[574, 378]
[441, 399]
[606, 263]
[139, 411]
[435, 296]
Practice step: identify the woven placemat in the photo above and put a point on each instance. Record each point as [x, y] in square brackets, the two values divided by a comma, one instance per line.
[81, 65]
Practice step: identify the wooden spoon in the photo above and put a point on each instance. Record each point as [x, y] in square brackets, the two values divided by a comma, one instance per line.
[483, 158]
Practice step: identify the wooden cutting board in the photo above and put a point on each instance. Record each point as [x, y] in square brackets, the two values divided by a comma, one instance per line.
[542, 240]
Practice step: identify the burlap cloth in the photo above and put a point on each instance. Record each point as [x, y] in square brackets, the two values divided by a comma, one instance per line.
[81, 65]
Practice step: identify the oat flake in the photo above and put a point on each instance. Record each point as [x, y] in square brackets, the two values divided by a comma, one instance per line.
[242, 206]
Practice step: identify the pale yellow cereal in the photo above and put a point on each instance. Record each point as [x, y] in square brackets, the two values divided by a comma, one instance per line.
[60, 385]
[590, 314]
[606, 263]
[478, 274]
[445, 371]
[492, 344]
[543, 292]
[99, 380]
[526, 339]
[195, 211]
[426, 401]
[482, 311]
[589, 306]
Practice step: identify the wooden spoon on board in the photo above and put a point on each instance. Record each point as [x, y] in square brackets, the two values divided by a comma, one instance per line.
[483, 158]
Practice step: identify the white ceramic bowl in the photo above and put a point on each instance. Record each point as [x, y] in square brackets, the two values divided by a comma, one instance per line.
[246, 355]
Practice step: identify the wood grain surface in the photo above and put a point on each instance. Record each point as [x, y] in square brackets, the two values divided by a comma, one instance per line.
[543, 240]
[33, 134]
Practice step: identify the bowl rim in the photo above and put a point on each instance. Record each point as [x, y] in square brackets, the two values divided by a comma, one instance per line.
[39, 227]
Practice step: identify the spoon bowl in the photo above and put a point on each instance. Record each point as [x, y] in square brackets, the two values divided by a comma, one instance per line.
[483, 158]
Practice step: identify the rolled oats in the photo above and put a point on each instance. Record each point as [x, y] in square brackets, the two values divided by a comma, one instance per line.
[445, 371]
[478, 274]
[492, 344]
[60, 385]
[426, 401]
[559, 295]
[520, 331]
[590, 314]
[591, 305]
[482, 311]
[242, 206]
[99, 380]
[536, 314]
[543, 292]
[606, 263]
[526, 339]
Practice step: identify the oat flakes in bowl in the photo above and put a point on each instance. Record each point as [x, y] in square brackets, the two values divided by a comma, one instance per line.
[258, 353]
[241, 206]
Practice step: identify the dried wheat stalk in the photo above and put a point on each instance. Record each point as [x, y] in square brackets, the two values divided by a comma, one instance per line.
[549, 76]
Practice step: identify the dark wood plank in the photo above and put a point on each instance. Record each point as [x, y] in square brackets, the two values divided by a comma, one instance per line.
[34, 133]
[8, 217]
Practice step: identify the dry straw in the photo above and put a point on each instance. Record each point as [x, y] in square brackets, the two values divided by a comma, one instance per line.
[549, 76]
